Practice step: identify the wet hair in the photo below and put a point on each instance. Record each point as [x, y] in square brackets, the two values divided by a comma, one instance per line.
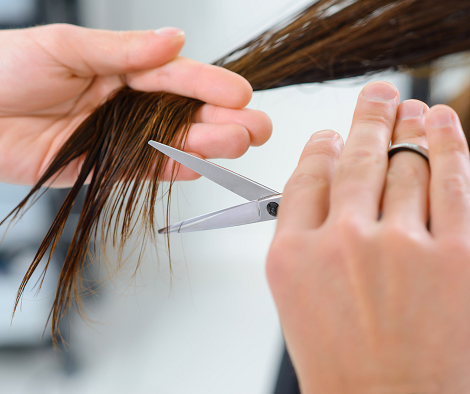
[461, 104]
[334, 39]
[328, 40]
[123, 174]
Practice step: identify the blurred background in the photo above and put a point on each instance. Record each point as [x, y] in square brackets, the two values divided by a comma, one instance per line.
[210, 325]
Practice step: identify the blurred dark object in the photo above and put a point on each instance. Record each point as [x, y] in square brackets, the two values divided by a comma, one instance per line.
[421, 83]
[287, 379]
[57, 11]
[421, 89]
[26, 13]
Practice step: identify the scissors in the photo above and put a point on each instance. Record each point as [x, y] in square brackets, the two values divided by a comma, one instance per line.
[263, 201]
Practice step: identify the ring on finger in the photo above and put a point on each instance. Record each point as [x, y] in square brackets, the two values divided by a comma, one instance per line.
[408, 147]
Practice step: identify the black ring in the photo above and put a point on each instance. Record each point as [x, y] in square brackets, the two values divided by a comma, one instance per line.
[423, 152]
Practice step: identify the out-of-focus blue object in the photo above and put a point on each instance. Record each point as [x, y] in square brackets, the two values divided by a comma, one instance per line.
[16, 12]
[17, 251]
[262, 206]
[28, 326]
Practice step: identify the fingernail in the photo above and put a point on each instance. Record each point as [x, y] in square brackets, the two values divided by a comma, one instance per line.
[380, 91]
[323, 135]
[411, 109]
[169, 32]
[439, 117]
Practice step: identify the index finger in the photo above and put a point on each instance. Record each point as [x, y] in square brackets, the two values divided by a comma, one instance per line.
[305, 199]
[187, 77]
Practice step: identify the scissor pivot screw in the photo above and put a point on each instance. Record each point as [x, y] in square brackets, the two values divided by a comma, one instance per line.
[272, 208]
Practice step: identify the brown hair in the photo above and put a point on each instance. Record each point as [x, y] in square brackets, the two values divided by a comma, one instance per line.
[461, 104]
[331, 39]
[119, 161]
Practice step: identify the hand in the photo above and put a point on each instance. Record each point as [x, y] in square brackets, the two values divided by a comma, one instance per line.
[373, 305]
[52, 78]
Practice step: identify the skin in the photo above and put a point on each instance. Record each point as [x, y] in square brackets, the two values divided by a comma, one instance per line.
[54, 76]
[369, 305]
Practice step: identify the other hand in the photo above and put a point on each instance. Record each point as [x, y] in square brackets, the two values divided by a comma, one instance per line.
[52, 77]
[369, 305]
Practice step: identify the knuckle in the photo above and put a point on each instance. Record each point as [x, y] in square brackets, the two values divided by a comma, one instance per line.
[215, 113]
[455, 185]
[375, 118]
[163, 79]
[125, 41]
[396, 232]
[239, 141]
[410, 130]
[455, 246]
[284, 240]
[453, 147]
[352, 234]
[362, 156]
[349, 227]
[55, 34]
[60, 29]
[198, 80]
[304, 180]
[400, 173]
[285, 244]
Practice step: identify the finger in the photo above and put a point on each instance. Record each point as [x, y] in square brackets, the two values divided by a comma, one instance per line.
[218, 141]
[181, 173]
[186, 77]
[360, 175]
[406, 193]
[90, 52]
[208, 141]
[257, 123]
[305, 200]
[450, 173]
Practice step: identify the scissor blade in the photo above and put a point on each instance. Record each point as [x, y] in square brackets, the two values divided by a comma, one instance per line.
[238, 184]
[235, 216]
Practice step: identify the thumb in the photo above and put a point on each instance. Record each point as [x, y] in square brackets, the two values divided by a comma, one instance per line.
[89, 52]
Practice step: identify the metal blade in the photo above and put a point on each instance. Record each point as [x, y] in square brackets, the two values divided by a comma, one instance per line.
[238, 184]
[229, 217]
